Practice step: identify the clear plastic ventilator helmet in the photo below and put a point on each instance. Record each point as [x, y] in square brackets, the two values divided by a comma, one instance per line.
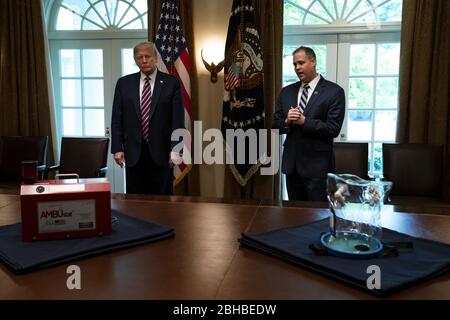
[355, 220]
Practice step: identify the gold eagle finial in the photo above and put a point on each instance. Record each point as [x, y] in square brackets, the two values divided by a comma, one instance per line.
[214, 69]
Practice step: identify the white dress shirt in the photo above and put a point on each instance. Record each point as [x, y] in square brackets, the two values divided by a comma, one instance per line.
[152, 82]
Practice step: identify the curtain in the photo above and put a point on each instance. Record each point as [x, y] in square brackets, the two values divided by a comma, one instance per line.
[424, 115]
[190, 185]
[269, 16]
[24, 100]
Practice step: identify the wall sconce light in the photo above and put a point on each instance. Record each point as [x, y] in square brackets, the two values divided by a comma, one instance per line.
[214, 69]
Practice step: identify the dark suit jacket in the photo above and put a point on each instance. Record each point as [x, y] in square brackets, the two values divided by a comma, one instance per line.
[309, 148]
[166, 115]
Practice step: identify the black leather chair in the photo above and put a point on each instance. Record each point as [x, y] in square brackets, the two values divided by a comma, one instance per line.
[352, 158]
[15, 149]
[416, 171]
[86, 157]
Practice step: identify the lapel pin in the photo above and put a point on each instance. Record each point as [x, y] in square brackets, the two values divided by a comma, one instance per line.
[315, 92]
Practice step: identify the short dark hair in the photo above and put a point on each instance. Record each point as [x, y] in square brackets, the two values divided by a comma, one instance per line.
[308, 51]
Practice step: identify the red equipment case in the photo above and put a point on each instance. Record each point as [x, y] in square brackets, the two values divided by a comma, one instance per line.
[61, 209]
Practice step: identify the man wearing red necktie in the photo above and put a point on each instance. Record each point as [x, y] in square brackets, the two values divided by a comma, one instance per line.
[147, 108]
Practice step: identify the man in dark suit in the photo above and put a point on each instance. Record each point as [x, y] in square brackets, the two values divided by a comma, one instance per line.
[310, 112]
[147, 108]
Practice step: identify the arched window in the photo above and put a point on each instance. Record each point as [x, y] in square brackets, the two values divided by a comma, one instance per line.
[101, 15]
[341, 12]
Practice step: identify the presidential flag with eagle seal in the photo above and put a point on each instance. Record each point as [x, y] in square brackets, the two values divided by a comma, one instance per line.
[243, 103]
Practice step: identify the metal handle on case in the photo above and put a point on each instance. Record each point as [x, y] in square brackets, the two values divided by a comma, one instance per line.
[67, 175]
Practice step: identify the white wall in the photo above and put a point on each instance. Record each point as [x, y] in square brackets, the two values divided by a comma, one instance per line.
[210, 31]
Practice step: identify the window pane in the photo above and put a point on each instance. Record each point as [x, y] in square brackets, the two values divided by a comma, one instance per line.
[310, 19]
[370, 159]
[76, 5]
[94, 122]
[72, 122]
[361, 8]
[292, 15]
[367, 18]
[140, 5]
[93, 93]
[359, 125]
[391, 11]
[90, 26]
[331, 9]
[133, 25]
[70, 63]
[387, 92]
[319, 11]
[67, 20]
[100, 7]
[340, 6]
[378, 158]
[130, 15]
[289, 75]
[388, 58]
[385, 125]
[71, 93]
[321, 58]
[361, 93]
[304, 3]
[111, 4]
[340, 12]
[351, 5]
[145, 18]
[93, 16]
[121, 9]
[92, 63]
[128, 64]
[101, 14]
[362, 59]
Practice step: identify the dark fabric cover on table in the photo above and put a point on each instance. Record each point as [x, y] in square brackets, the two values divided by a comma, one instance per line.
[24, 257]
[425, 260]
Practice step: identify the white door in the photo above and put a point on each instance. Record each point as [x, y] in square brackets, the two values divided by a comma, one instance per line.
[84, 77]
[369, 73]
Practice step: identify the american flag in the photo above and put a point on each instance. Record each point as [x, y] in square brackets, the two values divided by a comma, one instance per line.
[173, 58]
[232, 78]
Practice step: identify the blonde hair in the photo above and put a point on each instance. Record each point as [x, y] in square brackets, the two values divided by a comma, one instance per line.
[145, 45]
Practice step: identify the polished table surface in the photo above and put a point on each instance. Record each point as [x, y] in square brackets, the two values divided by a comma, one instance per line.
[204, 259]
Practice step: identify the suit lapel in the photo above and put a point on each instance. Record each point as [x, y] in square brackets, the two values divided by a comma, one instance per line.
[136, 94]
[157, 88]
[317, 92]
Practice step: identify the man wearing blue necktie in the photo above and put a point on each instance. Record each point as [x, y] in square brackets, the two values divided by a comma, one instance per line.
[310, 112]
[147, 108]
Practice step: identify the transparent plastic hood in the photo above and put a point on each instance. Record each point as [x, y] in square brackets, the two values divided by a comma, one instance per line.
[356, 204]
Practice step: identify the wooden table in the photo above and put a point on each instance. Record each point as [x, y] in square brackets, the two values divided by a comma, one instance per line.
[204, 259]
